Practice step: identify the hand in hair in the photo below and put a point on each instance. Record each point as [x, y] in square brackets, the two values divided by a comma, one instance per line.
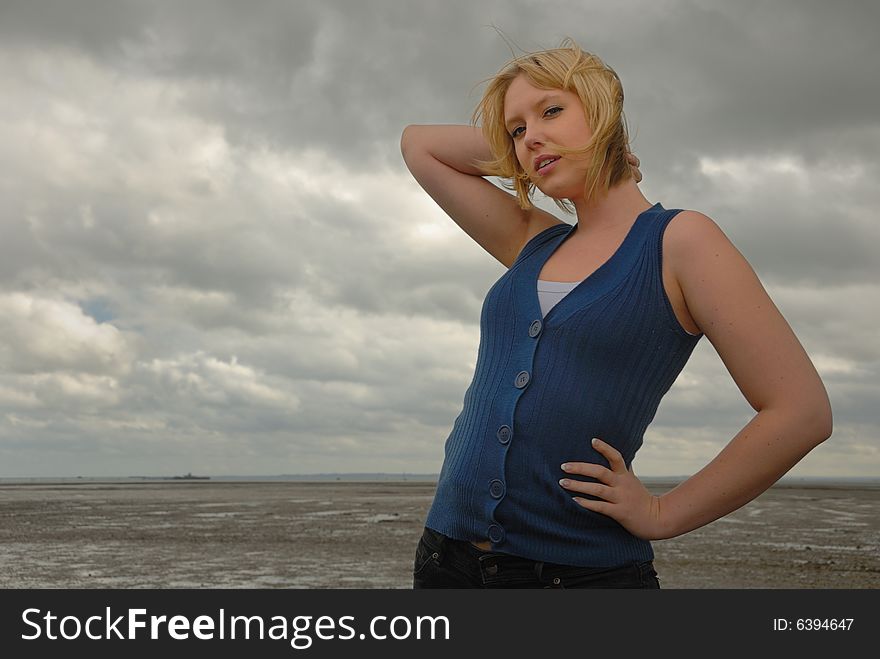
[634, 164]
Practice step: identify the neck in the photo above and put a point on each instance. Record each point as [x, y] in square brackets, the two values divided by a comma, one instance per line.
[621, 203]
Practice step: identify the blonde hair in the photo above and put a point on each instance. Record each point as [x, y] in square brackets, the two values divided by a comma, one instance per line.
[601, 93]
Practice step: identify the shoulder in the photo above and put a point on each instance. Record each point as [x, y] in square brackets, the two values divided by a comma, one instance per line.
[719, 286]
[692, 229]
[540, 231]
[541, 223]
[693, 238]
[705, 265]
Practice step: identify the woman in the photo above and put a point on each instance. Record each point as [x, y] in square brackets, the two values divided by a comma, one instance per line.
[581, 338]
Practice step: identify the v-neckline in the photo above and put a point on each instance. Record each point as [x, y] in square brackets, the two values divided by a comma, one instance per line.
[595, 275]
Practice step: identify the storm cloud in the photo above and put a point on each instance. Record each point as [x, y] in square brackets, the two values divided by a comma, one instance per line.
[214, 259]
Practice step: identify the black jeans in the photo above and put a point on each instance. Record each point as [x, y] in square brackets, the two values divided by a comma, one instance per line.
[442, 562]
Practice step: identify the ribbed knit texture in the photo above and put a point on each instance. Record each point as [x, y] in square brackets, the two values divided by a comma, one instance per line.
[597, 365]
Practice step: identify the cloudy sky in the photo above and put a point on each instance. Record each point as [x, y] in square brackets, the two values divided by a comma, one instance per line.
[214, 259]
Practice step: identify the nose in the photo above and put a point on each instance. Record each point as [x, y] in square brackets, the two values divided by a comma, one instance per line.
[533, 138]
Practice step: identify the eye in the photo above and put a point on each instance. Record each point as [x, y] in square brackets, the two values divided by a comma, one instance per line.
[549, 112]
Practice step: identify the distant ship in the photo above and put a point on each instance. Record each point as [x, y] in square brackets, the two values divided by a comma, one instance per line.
[189, 477]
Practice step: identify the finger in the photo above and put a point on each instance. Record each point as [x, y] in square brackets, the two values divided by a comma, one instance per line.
[590, 469]
[596, 489]
[596, 506]
[615, 459]
[634, 163]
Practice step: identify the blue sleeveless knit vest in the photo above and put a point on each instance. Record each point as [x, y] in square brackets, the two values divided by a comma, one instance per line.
[596, 366]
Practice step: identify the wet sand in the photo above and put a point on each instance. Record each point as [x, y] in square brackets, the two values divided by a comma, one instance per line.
[212, 534]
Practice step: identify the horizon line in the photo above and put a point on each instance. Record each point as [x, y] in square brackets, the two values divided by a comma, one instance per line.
[394, 474]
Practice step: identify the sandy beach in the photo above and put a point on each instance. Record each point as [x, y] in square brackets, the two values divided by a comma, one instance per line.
[214, 534]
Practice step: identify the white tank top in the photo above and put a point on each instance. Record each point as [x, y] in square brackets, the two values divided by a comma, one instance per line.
[550, 292]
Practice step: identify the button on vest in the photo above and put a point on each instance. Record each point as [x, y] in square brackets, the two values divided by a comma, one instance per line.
[535, 328]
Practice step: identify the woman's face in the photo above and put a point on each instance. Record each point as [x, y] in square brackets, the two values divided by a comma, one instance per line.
[533, 117]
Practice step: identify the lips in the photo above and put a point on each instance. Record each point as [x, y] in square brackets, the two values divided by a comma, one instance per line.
[547, 158]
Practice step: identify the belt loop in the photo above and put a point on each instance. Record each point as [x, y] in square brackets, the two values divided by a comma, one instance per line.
[539, 569]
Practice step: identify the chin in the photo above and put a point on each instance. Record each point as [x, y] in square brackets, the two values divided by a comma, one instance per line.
[560, 195]
[561, 190]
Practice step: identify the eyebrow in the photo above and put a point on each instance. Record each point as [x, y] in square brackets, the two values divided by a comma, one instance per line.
[540, 101]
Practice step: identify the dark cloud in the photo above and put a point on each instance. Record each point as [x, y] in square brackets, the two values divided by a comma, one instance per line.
[212, 245]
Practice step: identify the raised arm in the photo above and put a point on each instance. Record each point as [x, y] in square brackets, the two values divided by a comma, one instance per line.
[441, 158]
